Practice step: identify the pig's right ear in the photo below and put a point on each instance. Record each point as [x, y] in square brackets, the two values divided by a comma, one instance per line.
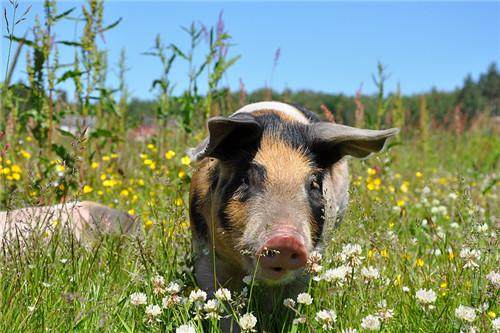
[227, 136]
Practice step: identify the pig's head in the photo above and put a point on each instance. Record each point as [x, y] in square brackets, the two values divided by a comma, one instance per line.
[267, 186]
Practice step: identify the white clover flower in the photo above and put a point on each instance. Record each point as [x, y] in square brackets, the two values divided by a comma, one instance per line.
[211, 308]
[289, 303]
[326, 318]
[173, 288]
[482, 228]
[452, 196]
[138, 298]
[186, 328]
[223, 295]
[351, 253]
[304, 298]
[470, 256]
[370, 273]
[370, 323]
[494, 278]
[315, 257]
[212, 305]
[247, 322]
[465, 313]
[171, 300]
[158, 280]
[495, 323]
[153, 310]
[337, 275]
[426, 296]
[197, 296]
[406, 289]
[158, 284]
[313, 262]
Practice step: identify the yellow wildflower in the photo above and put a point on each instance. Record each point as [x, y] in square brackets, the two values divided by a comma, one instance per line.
[114, 156]
[100, 192]
[103, 176]
[371, 171]
[384, 253]
[398, 281]
[492, 314]
[147, 161]
[29, 139]
[181, 174]
[94, 165]
[418, 174]
[105, 158]
[140, 182]
[25, 154]
[131, 211]
[6, 171]
[178, 202]
[124, 193]
[420, 262]
[169, 154]
[148, 224]
[87, 189]
[400, 203]
[16, 176]
[151, 146]
[404, 187]
[185, 160]
[16, 168]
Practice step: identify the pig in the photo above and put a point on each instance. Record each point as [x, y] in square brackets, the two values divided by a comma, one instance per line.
[270, 181]
[84, 219]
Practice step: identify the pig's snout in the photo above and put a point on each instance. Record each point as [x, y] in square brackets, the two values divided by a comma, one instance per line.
[282, 254]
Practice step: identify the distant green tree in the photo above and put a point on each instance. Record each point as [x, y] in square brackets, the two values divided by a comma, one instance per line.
[489, 84]
[470, 97]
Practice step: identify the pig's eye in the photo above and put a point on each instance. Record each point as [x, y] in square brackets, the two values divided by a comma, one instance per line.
[315, 184]
[245, 180]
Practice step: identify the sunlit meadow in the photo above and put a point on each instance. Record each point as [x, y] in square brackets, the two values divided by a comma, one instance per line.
[418, 244]
[416, 252]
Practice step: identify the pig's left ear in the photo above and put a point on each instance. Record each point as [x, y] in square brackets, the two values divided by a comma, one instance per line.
[226, 136]
[331, 141]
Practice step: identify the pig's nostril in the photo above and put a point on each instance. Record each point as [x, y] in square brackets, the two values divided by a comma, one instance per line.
[277, 269]
[295, 255]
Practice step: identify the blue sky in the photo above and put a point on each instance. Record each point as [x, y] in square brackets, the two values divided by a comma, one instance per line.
[325, 46]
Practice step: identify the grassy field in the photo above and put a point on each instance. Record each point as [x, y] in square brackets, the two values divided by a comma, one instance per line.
[416, 252]
[425, 216]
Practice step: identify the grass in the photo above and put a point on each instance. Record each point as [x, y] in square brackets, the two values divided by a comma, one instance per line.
[412, 214]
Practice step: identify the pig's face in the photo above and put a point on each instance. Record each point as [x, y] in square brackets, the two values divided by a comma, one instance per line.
[270, 182]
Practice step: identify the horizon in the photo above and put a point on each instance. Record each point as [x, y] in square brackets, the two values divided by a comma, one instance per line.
[343, 56]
